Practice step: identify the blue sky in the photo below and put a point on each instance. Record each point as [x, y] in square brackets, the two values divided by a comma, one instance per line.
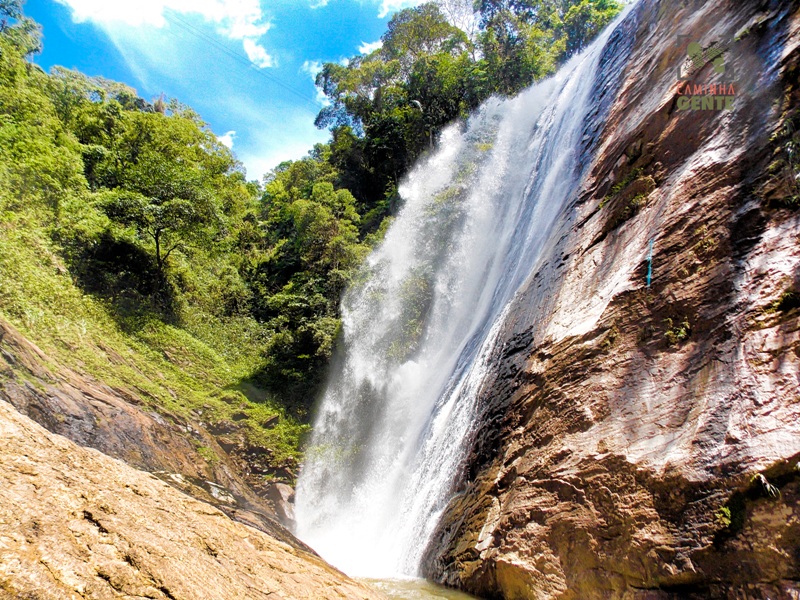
[245, 65]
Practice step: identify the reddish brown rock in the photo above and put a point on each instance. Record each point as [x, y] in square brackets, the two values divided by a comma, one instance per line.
[643, 443]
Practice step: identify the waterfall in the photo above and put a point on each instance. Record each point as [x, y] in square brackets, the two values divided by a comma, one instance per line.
[422, 318]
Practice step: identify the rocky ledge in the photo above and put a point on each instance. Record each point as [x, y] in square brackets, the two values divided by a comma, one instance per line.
[76, 524]
[119, 423]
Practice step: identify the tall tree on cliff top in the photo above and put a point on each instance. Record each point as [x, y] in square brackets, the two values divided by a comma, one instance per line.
[386, 106]
[524, 40]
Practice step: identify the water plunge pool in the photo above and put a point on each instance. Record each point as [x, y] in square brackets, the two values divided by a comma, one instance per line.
[415, 589]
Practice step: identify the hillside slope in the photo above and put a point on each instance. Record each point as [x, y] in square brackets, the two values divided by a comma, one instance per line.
[642, 441]
[125, 323]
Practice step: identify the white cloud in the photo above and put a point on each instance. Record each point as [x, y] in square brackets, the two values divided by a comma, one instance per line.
[246, 25]
[392, 6]
[319, 4]
[241, 20]
[369, 48]
[312, 69]
[227, 139]
[257, 54]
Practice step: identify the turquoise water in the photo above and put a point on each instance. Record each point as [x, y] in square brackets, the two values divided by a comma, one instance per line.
[415, 589]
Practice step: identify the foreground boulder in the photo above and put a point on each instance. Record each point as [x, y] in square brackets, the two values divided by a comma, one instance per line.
[75, 523]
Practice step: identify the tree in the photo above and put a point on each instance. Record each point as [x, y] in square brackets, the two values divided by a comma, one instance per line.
[373, 84]
[414, 33]
[9, 9]
[461, 14]
[584, 20]
[525, 40]
[164, 174]
[78, 96]
[387, 107]
[306, 254]
[170, 223]
[24, 33]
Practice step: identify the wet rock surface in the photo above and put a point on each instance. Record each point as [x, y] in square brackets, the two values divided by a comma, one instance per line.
[642, 443]
[282, 498]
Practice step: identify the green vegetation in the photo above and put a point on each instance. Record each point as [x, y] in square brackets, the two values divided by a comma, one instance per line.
[724, 516]
[208, 454]
[298, 268]
[621, 185]
[611, 337]
[677, 330]
[788, 301]
[707, 241]
[524, 40]
[134, 249]
[731, 517]
[625, 182]
[628, 196]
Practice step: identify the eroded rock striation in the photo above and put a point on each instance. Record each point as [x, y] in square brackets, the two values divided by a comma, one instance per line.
[642, 442]
[76, 524]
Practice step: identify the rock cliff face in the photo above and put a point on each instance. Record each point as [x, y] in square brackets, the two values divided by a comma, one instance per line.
[643, 442]
[75, 523]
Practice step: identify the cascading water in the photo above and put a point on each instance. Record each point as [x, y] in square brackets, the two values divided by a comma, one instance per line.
[420, 322]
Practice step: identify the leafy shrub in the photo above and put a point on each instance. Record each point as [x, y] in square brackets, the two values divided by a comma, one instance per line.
[677, 330]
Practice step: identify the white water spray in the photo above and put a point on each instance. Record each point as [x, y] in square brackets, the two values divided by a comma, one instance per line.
[421, 321]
